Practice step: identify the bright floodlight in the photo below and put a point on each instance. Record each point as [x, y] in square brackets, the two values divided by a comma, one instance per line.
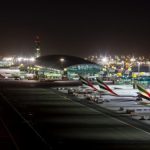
[105, 60]
[8, 59]
[19, 59]
[65, 69]
[132, 59]
[138, 63]
[32, 59]
[62, 59]
[25, 59]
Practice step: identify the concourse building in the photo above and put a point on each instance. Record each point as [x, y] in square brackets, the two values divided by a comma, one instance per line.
[141, 74]
[59, 66]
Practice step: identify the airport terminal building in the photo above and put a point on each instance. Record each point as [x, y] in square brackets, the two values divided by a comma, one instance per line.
[57, 66]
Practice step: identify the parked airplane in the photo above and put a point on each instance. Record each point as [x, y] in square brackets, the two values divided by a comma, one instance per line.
[118, 92]
[104, 89]
[140, 94]
[8, 73]
[143, 95]
[88, 83]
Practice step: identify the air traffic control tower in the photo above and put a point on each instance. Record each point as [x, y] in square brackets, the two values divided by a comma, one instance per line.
[37, 44]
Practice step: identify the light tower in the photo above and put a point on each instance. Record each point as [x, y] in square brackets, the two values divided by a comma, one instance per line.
[37, 44]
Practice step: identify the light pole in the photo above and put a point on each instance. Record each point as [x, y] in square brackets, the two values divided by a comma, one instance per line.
[62, 61]
[62, 66]
[139, 68]
[132, 59]
[104, 60]
[105, 64]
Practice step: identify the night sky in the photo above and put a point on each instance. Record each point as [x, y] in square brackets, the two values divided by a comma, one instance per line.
[79, 28]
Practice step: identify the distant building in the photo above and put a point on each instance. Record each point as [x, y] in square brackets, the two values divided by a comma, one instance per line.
[70, 66]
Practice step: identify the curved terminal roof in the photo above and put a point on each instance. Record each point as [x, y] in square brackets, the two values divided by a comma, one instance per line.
[54, 61]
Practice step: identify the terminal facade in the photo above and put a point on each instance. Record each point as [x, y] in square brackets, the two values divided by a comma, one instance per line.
[59, 66]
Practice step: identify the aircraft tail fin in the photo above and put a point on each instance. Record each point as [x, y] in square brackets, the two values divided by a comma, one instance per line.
[105, 87]
[143, 91]
[88, 83]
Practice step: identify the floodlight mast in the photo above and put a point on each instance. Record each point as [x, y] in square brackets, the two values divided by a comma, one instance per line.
[62, 61]
[37, 44]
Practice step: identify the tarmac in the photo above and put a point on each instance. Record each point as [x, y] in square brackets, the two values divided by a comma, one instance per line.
[44, 118]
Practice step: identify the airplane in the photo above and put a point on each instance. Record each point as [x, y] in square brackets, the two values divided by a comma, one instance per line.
[8, 73]
[108, 93]
[143, 95]
[95, 97]
[88, 83]
[117, 91]
[97, 93]
[104, 89]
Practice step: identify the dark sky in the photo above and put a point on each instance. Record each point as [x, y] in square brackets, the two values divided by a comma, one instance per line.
[80, 28]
